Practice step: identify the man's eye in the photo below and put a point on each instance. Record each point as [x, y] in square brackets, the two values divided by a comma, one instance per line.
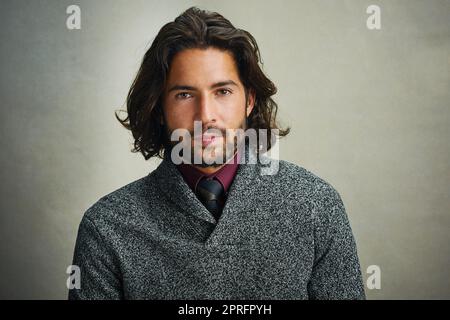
[224, 92]
[183, 95]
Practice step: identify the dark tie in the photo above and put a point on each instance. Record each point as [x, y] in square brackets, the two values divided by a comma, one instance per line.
[210, 192]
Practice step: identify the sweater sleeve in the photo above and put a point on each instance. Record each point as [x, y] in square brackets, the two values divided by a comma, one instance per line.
[99, 273]
[336, 272]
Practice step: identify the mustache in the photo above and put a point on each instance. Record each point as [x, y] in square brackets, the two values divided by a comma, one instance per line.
[223, 131]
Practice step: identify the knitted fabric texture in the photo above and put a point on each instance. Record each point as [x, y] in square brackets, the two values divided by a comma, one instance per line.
[280, 236]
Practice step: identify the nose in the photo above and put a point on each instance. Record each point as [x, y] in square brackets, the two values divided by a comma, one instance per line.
[205, 110]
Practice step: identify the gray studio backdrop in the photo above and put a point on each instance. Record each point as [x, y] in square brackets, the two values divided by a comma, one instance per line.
[369, 111]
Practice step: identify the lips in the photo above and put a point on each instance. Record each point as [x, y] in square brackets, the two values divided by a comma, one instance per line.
[206, 140]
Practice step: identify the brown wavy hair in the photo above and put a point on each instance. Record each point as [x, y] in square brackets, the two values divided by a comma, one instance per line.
[194, 28]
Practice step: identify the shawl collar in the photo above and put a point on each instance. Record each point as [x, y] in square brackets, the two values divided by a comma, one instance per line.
[171, 183]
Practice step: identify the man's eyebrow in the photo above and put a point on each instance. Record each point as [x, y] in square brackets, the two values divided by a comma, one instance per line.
[213, 86]
[224, 83]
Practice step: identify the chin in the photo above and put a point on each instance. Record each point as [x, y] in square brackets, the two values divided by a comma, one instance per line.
[208, 160]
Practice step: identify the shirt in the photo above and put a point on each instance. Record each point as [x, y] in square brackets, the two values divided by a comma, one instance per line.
[224, 175]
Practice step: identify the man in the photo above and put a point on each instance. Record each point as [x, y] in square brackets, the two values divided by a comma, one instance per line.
[218, 227]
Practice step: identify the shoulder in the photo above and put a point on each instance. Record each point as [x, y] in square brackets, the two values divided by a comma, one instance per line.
[120, 204]
[298, 181]
[324, 203]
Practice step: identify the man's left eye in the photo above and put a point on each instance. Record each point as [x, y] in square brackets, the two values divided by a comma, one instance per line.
[224, 92]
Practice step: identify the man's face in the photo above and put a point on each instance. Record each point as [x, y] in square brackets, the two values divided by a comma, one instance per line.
[204, 85]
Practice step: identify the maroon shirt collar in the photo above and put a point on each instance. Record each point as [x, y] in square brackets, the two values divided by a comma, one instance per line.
[225, 175]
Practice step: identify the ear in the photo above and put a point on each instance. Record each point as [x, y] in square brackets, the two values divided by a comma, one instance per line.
[250, 101]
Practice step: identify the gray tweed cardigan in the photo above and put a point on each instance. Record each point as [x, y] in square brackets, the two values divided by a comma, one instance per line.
[281, 236]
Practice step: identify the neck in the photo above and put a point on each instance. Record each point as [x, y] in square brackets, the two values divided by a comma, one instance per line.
[209, 170]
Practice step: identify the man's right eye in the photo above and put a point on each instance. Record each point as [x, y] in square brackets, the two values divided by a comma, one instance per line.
[183, 95]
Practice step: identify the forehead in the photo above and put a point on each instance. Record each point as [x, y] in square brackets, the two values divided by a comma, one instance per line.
[202, 67]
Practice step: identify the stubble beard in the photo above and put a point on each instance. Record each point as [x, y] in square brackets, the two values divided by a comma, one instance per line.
[230, 144]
